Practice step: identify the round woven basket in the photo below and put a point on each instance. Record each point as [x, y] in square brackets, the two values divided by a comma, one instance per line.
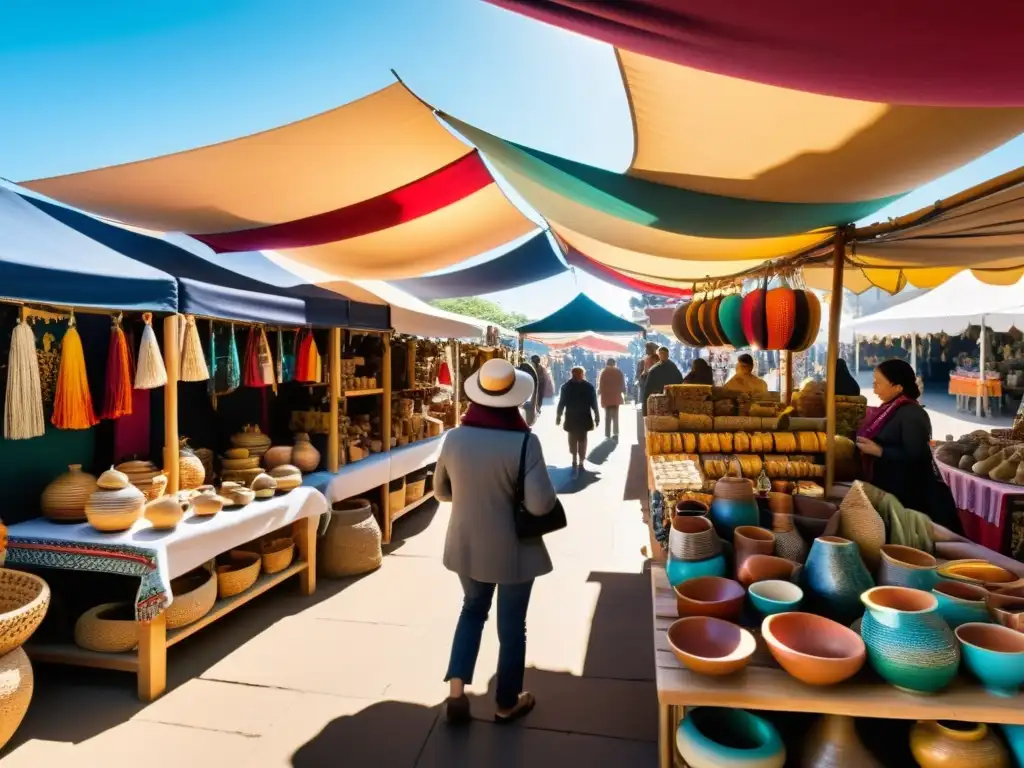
[277, 554]
[238, 573]
[24, 599]
[396, 493]
[415, 490]
[194, 595]
[16, 685]
[107, 628]
[352, 543]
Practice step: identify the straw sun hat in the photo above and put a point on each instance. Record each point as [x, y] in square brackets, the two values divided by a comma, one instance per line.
[499, 385]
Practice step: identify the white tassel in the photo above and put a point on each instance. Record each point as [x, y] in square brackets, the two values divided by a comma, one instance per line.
[149, 370]
[193, 364]
[23, 413]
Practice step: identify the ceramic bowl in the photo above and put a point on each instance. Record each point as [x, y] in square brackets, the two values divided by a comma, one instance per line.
[710, 646]
[691, 508]
[679, 571]
[710, 596]
[995, 655]
[960, 602]
[813, 649]
[902, 566]
[1006, 607]
[693, 538]
[775, 596]
[764, 567]
[978, 572]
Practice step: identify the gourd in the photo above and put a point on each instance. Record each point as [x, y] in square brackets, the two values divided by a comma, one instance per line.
[985, 466]
[966, 462]
[983, 452]
[1007, 469]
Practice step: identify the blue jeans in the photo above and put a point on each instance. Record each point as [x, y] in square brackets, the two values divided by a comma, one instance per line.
[513, 601]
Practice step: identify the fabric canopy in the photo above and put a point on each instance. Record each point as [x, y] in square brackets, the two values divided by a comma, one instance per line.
[529, 262]
[581, 315]
[893, 52]
[590, 342]
[630, 281]
[45, 261]
[373, 189]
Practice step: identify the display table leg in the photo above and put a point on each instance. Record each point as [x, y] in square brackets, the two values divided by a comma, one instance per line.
[304, 532]
[152, 676]
[666, 744]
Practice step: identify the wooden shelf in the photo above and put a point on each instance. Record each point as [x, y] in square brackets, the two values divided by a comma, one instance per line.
[362, 392]
[410, 507]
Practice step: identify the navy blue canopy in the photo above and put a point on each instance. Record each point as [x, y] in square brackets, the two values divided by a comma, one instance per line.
[253, 290]
[581, 315]
[533, 260]
[42, 260]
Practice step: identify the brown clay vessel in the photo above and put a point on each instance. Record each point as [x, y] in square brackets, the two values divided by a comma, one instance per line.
[763, 567]
[813, 649]
[751, 540]
[710, 646]
[710, 596]
[1006, 606]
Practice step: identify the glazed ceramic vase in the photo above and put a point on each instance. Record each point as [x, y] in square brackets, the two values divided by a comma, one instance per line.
[833, 579]
[692, 538]
[909, 643]
[961, 603]
[713, 737]
[956, 745]
[906, 567]
[833, 743]
[304, 455]
[64, 499]
[1015, 738]
[734, 505]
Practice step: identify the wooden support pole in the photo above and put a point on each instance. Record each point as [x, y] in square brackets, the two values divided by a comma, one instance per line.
[456, 383]
[411, 361]
[835, 313]
[982, 389]
[786, 364]
[171, 440]
[152, 674]
[385, 432]
[304, 533]
[334, 377]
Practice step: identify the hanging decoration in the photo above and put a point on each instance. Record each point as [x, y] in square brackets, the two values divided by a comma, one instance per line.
[780, 314]
[730, 317]
[150, 372]
[308, 365]
[287, 353]
[72, 405]
[211, 383]
[251, 374]
[755, 322]
[192, 366]
[23, 409]
[228, 368]
[267, 362]
[49, 364]
[117, 399]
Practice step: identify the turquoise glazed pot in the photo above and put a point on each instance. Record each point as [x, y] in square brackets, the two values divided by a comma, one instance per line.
[960, 603]
[907, 567]
[734, 504]
[1015, 738]
[995, 655]
[713, 737]
[908, 642]
[834, 578]
[679, 571]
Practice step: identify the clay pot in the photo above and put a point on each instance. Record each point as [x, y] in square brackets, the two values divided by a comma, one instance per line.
[278, 455]
[780, 503]
[692, 538]
[710, 646]
[207, 502]
[304, 455]
[960, 603]
[679, 571]
[763, 567]
[956, 745]
[712, 737]
[907, 567]
[978, 572]
[287, 476]
[64, 499]
[834, 578]
[833, 743]
[750, 540]
[1006, 606]
[710, 596]
[115, 510]
[166, 512]
[813, 649]
[264, 486]
[995, 655]
[691, 508]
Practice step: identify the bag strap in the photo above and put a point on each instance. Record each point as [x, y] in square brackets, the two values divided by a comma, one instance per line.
[521, 479]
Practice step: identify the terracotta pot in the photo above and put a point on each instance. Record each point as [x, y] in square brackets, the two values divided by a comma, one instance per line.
[691, 508]
[956, 745]
[278, 455]
[64, 499]
[692, 538]
[907, 567]
[710, 646]
[304, 455]
[710, 596]
[712, 737]
[978, 572]
[763, 567]
[995, 655]
[750, 540]
[834, 578]
[833, 743]
[1006, 606]
[166, 512]
[960, 603]
[813, 649]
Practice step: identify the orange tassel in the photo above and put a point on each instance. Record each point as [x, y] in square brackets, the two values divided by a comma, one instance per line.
[72, 405]
[118, 394]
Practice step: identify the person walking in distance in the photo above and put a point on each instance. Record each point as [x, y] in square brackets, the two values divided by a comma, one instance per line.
[611, 386]
[543, 383]
[578, 401]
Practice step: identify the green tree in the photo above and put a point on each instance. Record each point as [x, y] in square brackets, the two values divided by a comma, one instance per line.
[482, 309]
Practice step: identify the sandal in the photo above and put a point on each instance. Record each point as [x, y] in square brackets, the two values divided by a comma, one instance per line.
[523, 707]
[457, 710]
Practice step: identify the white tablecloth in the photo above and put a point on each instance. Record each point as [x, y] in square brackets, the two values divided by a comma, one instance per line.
[415, 456]
[155, 557]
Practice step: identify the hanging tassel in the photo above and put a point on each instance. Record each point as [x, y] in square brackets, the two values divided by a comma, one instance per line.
[252, 374]
[211, 383]
[234, 363]
[117, 401]
[23, 411]
[72, 405]
[279, 364]
[193, 365]
[301, 355]
[149, 370]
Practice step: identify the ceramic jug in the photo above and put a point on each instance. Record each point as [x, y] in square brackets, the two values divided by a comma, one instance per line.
[834, 577]
[956, 745]
[833, 743]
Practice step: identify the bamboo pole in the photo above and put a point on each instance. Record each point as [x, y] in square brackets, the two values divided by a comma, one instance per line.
[456, 383]
[172, 445]
[982, 389]
[334, 376]
[835, 313]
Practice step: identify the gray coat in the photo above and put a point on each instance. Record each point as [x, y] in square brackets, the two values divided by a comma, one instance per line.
[477, 472]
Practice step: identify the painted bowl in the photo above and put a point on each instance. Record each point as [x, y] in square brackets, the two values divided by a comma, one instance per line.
[710, 596]
[710, 646]
[960, 602]
[693, 538]
[995, 655]
[679, 571]
[902, 566]
[775, 596]
[978, 572]
[813, 649]
[1006, 607]
[764, 567]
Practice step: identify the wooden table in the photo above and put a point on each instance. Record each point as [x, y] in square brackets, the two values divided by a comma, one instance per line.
[766, 686]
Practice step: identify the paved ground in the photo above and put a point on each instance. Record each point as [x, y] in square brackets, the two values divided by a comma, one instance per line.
[352, 676]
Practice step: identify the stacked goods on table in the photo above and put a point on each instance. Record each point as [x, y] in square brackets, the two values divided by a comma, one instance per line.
[993, 455]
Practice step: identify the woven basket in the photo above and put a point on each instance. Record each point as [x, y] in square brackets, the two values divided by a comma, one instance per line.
[24, 599]
[16, 685]
[237, 572]
[194, 596]
[415, 490]
[277, 554]
[352, 543]
[861, 524]
[396, 493]
[107, 628]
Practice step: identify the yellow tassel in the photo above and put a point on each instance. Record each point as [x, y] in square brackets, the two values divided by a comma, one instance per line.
[72, 405]
[149, 370]
[193, 364]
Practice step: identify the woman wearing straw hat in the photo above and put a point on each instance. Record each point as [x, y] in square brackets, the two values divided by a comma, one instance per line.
[477, 471]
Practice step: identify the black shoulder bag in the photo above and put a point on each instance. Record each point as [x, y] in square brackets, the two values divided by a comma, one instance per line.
[534, 526]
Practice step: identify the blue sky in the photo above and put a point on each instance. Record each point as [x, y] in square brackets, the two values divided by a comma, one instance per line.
[89, 84]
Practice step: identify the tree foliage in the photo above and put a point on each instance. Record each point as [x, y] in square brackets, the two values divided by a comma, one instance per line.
[482, 309]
